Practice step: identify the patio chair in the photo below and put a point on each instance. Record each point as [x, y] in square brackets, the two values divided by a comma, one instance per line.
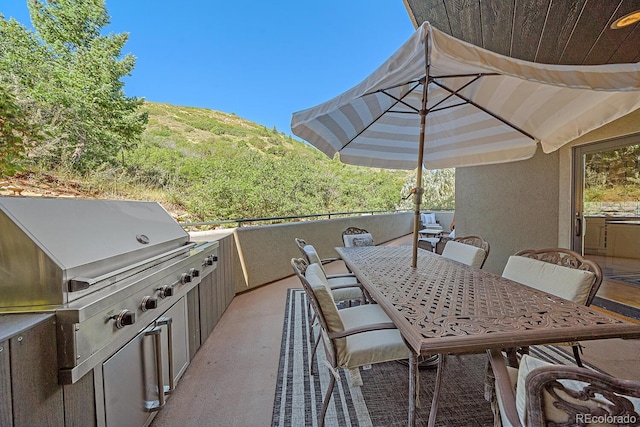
[342, 291]
[344, 286]
[354, 236]
[469, 250]
[354, 336]
[558, 271]
[539, 393]
[302, 244]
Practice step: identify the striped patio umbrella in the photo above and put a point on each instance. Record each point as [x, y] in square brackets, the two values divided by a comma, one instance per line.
[439, 102]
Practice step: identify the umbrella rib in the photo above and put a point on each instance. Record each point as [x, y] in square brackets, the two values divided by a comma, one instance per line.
[382, 113]
[452, 93]
[480, 107]
[400, 101]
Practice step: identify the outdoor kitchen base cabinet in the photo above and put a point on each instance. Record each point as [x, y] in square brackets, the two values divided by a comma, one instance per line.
[140, 376]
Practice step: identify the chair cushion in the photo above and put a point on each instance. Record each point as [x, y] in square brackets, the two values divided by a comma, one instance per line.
[362, 241]
[565, 282]
[466, 254]
[428, 218]
[318, 281]
[346, 294]
[528, 364]
[369, 347]
[311, 254]
[348, 238]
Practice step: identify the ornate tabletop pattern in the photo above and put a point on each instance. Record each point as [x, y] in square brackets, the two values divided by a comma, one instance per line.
[445, 306]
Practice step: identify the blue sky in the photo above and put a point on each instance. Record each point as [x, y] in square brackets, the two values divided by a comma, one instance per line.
[261, 60]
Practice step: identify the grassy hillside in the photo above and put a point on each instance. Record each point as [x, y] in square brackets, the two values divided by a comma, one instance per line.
[205, 165]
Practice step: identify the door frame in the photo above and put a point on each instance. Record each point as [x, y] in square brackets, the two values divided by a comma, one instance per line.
[577, 239]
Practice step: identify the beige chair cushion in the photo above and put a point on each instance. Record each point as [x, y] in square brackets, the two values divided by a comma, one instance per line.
[359, 349]
[369, 347]
[529, 363]
[565, 282]
[312, 255]
[342, 294]
[466, 254]
[318, 281]
[348, 239]
[346, 294]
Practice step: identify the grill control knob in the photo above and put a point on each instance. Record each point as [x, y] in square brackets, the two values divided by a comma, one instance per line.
[194, 272]
[185, 278]
[211, 259]
[166, 291]
[124, 318]
[148, 303]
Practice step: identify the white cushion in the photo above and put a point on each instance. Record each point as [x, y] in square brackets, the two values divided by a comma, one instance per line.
[527, 364]
[428, 218]
[311, 254]
[359, 349]
[346, 294]
[466, 254]
[348, 238]
[565, 282]
[318, 281]
[369, 347]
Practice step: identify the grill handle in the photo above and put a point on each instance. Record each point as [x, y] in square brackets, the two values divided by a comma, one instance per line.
[157, 340]
[82, 283]
[162, 321]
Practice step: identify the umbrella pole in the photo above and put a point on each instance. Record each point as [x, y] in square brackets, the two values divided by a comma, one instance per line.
[417, 197]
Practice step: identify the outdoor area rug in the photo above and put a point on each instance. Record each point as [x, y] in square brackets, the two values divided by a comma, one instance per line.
[383, 398]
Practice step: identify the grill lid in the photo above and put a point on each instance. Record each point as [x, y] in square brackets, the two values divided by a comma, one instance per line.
[48, 240]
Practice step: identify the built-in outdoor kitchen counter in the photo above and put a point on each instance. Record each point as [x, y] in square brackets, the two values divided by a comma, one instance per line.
[29, 390]
[614, 236]
[103, 304]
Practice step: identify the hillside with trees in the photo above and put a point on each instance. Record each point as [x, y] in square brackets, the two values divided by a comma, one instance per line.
[68, 129]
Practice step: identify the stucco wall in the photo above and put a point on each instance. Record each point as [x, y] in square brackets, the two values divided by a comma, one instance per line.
[512, 205]
[264, 252]
[526, 204]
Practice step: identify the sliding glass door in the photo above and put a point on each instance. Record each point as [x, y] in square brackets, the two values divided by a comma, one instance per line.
[606, 210]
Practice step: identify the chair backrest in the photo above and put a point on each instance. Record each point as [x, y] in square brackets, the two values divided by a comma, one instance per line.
[558, 271]
[467, 253]
[560, 394]
[354, 236]
[312, 257]
[476, 241]
[318, 291]
[300, 243]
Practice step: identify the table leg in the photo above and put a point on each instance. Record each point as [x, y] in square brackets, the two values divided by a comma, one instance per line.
[413, 387]
[436, 392]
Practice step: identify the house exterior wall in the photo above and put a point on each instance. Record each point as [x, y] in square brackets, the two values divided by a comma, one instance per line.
[512, 205]
[526, 204]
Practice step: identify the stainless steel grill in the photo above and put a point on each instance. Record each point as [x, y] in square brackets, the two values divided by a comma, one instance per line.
[110, 270]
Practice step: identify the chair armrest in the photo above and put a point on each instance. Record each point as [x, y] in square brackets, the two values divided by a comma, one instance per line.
[328, 260]
[346, 285]
[339, 275]
[503, 382]
[361, 329]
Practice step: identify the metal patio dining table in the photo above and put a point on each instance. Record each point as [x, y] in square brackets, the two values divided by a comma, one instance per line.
[445, 307]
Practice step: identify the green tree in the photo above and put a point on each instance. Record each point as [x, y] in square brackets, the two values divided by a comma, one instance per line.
[71, 80]
[15, 133]
[439, 189]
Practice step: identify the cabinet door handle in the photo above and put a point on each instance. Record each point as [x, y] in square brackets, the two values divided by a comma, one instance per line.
[157, 340]
[161, 322]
